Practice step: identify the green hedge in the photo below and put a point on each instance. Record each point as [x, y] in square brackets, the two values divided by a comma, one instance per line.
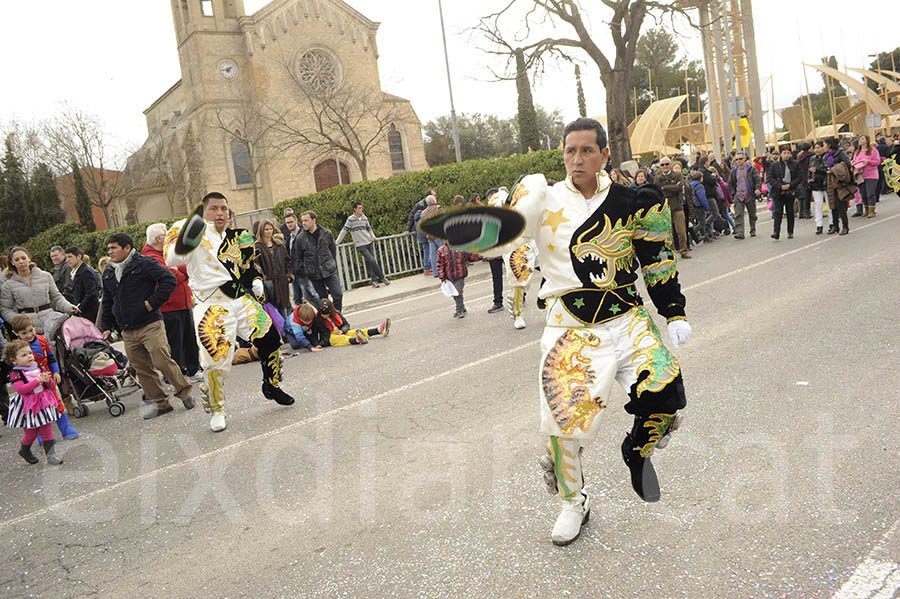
[93, 244]
[387, 202]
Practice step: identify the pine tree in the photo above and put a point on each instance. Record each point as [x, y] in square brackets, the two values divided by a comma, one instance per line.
[82, 201]
[14, 221]
[529, 137]
[45, 199]
[582, 107]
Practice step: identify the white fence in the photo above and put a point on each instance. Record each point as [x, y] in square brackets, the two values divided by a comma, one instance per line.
[396, 254]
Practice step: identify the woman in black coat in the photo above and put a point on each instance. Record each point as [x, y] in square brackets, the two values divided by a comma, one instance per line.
[274, 263]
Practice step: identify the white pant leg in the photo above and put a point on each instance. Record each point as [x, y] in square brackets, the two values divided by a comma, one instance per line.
[819, 201]
[216, 327]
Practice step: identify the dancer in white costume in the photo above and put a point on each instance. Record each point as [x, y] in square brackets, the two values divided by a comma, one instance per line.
[229, 295]
[592, 235]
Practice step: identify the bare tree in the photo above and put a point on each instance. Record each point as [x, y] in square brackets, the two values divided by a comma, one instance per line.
[327, 115]
[77, 135]
[249, 124]
[624, 26]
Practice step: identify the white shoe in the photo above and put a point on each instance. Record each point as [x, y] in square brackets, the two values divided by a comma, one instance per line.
[571, 519]
[519, 323]
[217, 422]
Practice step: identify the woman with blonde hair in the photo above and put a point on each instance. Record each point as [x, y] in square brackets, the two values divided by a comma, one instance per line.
[274, 262]
[619, 176]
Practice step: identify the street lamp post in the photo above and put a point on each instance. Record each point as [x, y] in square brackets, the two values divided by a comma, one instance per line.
[450, 87]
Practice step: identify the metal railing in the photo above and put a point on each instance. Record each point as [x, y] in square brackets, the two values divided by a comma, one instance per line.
[396, 254]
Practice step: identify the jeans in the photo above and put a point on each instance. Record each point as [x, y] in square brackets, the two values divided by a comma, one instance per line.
[368, 254]
[727, 216]
[303, 289]
[432, 249]
[426, 257]
[497, 279]
[332, 285]
[869, 191]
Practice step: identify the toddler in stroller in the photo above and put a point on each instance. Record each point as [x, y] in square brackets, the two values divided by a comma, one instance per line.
[95, 370]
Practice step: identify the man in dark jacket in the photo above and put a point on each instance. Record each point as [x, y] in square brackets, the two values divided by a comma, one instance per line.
[672, 185]
[134, 288]
[411, 228]
[85, 284]
[320, 259]
[303, 288]
[745, 186]
[62, 274]
[710, 183]
[783, 179]
[804, 193]
[176, 312]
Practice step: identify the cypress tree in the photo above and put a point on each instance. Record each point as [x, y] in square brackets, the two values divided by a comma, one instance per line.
[582, 106]
[529, 137]
[82, 200]
[45, 199]
[14, 213]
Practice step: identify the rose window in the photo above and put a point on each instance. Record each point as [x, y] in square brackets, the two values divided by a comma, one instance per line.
[317, 70]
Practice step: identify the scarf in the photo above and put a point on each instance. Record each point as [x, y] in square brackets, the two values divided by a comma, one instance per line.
[119, 267]
[829, 158]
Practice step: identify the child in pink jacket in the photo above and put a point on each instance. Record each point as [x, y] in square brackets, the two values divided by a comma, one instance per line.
[34, 405]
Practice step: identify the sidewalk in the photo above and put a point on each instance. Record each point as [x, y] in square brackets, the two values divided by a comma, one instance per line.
[416, 284]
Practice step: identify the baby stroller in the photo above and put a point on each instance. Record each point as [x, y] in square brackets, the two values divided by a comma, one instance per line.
[95, 371]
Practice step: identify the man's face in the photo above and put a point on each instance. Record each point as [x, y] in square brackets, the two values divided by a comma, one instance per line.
[738, 159]
[216, 212]
[583, 157]
[666, 165]
[358, 210]
[57, 257]
[72, 260]
[785, 155]
[291, 222]
[116, 252]
[309, 224]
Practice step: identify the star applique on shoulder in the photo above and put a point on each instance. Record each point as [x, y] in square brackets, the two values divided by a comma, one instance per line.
[554, 219]
[615, 309]
[551, 247]
[579, 302]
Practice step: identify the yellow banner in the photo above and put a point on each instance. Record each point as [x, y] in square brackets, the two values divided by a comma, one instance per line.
[746, 134]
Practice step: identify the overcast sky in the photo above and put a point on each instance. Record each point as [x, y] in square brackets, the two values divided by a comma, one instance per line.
[115, 58]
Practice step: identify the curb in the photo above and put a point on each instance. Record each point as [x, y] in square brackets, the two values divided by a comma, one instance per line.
[387, 299]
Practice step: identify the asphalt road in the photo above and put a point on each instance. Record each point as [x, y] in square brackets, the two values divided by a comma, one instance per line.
[407, 468]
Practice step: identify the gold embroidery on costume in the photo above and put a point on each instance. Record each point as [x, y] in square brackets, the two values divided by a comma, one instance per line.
[554, 219]
[658, 425]
[518, 263]
[659, 364]
[611, 247]
[564, 465]
[257, 318]
[211, 332]
[518, 193]
[564, 377]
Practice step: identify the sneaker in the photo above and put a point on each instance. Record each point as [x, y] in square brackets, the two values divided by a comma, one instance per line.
[217, 422]
[461, 314]
[495, 308]
[360, 338]
[428, 272]
[188, 403]
[376, 285]
[519, 323]
[385, 282]
[157, 411]
[385, 327]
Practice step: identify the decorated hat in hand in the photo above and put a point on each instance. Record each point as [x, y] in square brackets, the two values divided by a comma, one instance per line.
[192, 232]
[474, 228]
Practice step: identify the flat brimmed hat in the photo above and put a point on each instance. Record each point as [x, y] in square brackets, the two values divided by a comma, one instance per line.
[191, 232]
[474, 228]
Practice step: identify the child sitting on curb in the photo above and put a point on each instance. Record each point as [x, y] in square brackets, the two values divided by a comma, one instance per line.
[329, 327]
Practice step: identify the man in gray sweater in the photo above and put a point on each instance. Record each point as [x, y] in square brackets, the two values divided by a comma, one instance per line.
[364, 240]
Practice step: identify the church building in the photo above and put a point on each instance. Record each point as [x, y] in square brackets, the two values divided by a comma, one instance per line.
[273, 105]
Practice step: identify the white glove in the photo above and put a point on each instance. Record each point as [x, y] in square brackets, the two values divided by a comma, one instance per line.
[679, 332]
[258, 289]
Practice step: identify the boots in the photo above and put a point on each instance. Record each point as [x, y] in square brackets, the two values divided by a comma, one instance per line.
[647, 433]
[65, 427]
[562, 474]
[859, 210]
[280, 397]
[51, 453]
[25, 452]
[870, 211]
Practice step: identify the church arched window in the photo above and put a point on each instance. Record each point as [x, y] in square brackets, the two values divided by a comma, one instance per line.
[326, 174]
[318, 70]
[206, 8]
[240, 160]
[398, 163]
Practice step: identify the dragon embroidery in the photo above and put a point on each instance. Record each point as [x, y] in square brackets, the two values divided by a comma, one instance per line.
[211, 331]
[519, 263]
[564, 377]
[611, 248]
[660, 365]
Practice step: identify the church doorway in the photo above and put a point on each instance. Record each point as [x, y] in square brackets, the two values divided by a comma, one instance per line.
[326, 174]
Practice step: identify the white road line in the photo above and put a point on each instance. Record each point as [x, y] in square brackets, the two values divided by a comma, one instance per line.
[875, 578]
[373, 398]
[267, 434]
